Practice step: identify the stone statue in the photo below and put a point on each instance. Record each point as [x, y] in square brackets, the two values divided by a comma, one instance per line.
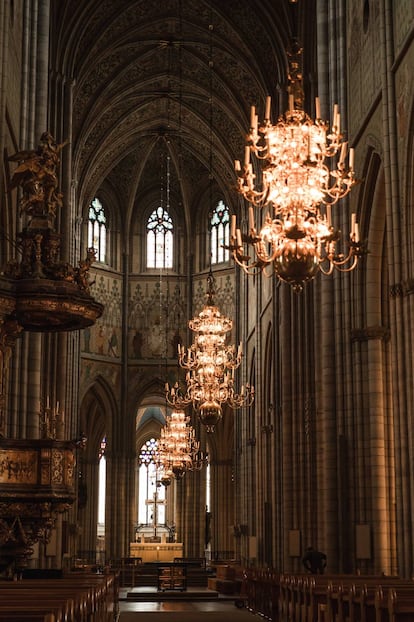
[82, 272]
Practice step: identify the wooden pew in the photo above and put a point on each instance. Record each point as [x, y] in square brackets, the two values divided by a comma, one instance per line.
[260, 592]
[88, 598]
[353, 599]
[8, 615]
[362, 596]
[400, 605]
[63, 603]
[395, 604]
[329, 598]
[333, 598]
[32, 610]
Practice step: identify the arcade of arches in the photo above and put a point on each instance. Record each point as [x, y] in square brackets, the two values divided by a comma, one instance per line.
[153, 101]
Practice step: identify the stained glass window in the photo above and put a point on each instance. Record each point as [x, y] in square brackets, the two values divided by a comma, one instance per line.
[160, 239]
[102, 488]
[220, 233]
[151, 495]
[97, 229]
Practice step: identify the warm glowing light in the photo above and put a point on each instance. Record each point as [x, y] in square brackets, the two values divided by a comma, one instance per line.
[178, 449]
[210, 365]
[297, 187]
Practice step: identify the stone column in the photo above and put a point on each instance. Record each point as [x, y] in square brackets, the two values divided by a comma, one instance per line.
[400, 334]
[119, 528]
[222, 507]
[25, 420]
[4, 51]
[87, 509]
[9, 331]
[288, 493]
[191, 508]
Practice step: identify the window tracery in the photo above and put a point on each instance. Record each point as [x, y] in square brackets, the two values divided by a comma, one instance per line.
[220, 233]
[97, 229]
[160, 232]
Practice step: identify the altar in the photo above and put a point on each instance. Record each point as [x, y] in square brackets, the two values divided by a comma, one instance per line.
[156, 551]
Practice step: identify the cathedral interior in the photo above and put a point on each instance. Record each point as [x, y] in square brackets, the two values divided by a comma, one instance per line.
[141, 191]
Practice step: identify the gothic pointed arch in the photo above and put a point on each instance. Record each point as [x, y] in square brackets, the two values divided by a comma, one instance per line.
[370, 337]
[97, 412]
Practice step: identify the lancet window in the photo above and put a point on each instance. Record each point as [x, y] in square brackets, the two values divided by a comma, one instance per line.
[160, 235]
[220, 233]
[97, 229]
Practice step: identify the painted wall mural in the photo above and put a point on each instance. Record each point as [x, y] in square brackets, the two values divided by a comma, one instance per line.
[104, 338]
[157, 321]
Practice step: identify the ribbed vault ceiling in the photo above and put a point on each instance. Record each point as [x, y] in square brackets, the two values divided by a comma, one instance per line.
[176, 75]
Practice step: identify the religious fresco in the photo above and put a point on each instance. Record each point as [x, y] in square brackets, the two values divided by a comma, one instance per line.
[224, 297]
[104, 337]
[91, 369]
[157, 322]
[157, 317]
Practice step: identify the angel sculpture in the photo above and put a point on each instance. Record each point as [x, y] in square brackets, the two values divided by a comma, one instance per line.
[36, 174]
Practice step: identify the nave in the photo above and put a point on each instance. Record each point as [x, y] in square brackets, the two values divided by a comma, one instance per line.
[129, 134]
[178, 610]
[289, 598]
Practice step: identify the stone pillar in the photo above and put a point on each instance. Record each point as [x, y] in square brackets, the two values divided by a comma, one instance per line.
[24, 417]
[4, 49]
[119, 527]
[191, 512]
[222, 508]
[289, 498]
[401, 333]
[87, 510]
[9, 331]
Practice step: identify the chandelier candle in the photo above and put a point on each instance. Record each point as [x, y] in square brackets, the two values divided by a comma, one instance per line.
[293, 190]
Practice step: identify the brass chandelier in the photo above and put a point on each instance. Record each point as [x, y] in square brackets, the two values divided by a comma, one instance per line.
[297, 187]
[210, 365]
[178, 449]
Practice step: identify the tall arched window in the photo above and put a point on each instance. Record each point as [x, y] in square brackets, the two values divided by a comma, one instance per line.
[97, 229]
[102, 490]
[160, 239]
[151, 497]
[220, 233]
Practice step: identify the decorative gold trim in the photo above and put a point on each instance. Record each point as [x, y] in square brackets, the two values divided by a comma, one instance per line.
[55, 310]
[18, 467]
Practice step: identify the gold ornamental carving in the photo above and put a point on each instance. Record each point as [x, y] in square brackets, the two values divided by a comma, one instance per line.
[17, 467]
[57, 470]
[50, 294]
[37, 483]
[36, 173]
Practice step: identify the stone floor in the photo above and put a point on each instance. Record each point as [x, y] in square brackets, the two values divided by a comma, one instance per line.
[195, 604]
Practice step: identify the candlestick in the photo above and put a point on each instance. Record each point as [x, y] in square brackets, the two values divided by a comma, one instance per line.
[267, 112]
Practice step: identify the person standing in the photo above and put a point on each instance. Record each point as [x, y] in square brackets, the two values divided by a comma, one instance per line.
[314, 561]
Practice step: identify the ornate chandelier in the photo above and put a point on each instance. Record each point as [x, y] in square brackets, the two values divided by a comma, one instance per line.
[296, 235]
[210, 365]
[178, 449]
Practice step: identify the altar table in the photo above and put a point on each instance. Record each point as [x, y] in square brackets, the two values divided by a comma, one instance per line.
[156, 551]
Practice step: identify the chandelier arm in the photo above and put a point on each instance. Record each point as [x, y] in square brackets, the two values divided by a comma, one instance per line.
[295, 181]
[349, 268]
[251, 270]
